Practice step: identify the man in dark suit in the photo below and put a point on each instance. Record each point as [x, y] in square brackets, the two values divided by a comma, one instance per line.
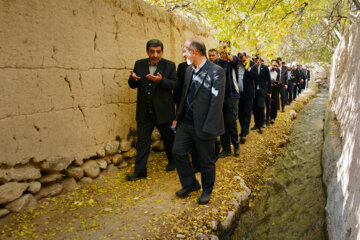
[199, 120]
[296, 80]
[283, 83]
[262, 90]
[247, 74]
[155, 78]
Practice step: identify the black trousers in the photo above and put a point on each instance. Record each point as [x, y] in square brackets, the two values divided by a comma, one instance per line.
[295, 91]
[290, 91]
[144, 131]
[258, 109]
[274, 106]
[267, 109]
[230, 111]
[283, 97]
[244, 114]
[185, 140]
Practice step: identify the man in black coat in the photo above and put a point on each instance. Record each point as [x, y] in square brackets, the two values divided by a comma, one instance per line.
[283, 83]
[295, 76]
[199, 121]
[155, 78]
[262, 90]
[246, 81]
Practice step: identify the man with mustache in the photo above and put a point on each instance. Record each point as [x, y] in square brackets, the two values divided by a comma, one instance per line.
[155, 78]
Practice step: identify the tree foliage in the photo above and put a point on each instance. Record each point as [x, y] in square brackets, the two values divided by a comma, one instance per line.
[306, 29]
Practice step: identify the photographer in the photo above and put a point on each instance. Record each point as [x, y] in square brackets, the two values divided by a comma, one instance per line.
[232, 94]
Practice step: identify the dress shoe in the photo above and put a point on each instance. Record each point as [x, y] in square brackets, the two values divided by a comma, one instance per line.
[204, 198]
[237, 150]
[170, 167]
[242, 139]
[283, 110]
[261, 130]
[135, 176]
[272, 121]
[187, 190]
[254, 128]
[224, 154]
[267, 123]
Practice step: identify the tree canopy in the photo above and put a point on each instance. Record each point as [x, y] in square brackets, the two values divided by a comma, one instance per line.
[301, 29]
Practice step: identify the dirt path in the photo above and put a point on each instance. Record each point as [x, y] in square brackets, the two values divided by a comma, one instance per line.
[112, 208]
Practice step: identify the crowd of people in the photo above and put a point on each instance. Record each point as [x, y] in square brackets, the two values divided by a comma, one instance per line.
[203, 99]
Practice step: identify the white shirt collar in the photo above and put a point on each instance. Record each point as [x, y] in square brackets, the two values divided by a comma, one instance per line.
[199, 67]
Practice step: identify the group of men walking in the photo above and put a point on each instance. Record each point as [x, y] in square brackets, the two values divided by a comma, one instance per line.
[210, 94]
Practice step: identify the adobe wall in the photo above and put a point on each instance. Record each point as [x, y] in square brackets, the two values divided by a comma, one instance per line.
[64, 67]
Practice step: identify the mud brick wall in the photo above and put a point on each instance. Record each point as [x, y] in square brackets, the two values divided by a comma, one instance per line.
[64, 97]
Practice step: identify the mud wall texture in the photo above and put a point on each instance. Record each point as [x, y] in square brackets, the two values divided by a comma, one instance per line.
[341, 154]
[64, 67]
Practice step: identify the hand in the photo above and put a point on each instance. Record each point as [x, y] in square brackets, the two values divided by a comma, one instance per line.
[285, 86]
[134, 76]
[154, 78]
[247, 63]
[269, 95]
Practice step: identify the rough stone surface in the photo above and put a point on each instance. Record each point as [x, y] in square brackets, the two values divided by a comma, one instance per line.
[225, 225]
[125, 146]
[86, 180]
[69, 184]
[123, 164]
[214, 225]
[180, 236]
[102, 163]
[75, 172]
[214, 237]
[341, 152]
[51, 177]
[22, 204]
[4, 212]
[130, 154]
[118, 158]
[21, 173]
[56, 164]
[292, 114]
[11, 191]
[34, 187]
[112, 147]
[202, 236]
[155, 135]
[100, 152]
[112, 169]
[49, 190]
[91, 169]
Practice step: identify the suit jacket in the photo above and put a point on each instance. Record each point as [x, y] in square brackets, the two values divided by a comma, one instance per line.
[208, 102]
[263, 79]
[249, 82]
[283, 76]
[160, 93]
[181, 77]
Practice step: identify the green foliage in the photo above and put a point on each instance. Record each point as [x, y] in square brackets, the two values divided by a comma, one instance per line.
[265, 26]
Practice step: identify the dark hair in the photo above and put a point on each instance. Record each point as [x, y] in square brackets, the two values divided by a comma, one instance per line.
[154, 43]
[213, 50]
[279, 59]
[244, 54]
[283, 63]
[198, 47]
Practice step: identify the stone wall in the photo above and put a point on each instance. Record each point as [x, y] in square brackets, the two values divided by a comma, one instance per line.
[341, 154]
[64, 67]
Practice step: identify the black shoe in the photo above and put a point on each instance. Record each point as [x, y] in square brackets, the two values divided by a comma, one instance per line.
[187, 190]
[254, 128]
[261, 130]
[267, 123]
[170, 167]
[272, 121]
[242, 140]
[237, 150]
[224, 154]
[283, 110]
[135, 176]
[204, 199]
